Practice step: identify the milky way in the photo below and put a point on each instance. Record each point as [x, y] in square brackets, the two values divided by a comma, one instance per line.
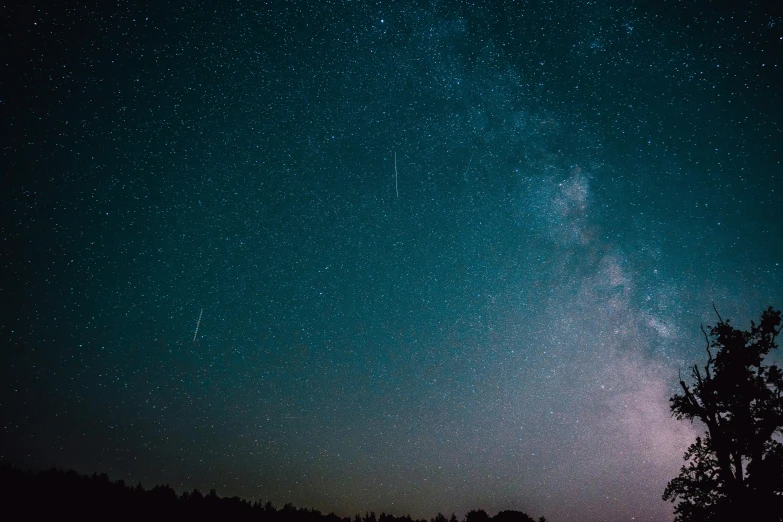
[438, 256]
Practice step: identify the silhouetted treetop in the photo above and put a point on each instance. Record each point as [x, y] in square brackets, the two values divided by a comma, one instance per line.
[54, 494]
[736, 468]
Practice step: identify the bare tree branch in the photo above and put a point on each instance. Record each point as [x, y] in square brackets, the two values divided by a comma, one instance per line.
[716, 312]
[709, 353]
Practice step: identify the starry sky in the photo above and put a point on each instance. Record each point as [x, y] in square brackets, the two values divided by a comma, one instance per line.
[371, 255]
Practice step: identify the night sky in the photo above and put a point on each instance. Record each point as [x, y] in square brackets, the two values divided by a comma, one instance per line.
[394, 256]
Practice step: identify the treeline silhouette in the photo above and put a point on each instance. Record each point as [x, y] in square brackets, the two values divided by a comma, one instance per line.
[55, 493]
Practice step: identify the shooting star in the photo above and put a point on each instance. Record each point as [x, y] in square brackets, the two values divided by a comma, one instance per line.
[395, 174]
[468, 167]
[198, 323]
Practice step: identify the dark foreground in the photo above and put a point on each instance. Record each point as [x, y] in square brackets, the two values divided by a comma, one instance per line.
[54, 493]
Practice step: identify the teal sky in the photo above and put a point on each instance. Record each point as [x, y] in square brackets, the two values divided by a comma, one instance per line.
[498, 323]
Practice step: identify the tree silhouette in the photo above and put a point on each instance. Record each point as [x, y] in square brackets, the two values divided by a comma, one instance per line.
[477, 516]
[735, 471]
[512, 516]
[55, 494]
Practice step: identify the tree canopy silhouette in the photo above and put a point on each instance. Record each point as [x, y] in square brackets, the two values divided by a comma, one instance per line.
[735, 470]
[55, 494]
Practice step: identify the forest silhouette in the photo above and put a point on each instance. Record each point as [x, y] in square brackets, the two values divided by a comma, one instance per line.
[54, 494]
